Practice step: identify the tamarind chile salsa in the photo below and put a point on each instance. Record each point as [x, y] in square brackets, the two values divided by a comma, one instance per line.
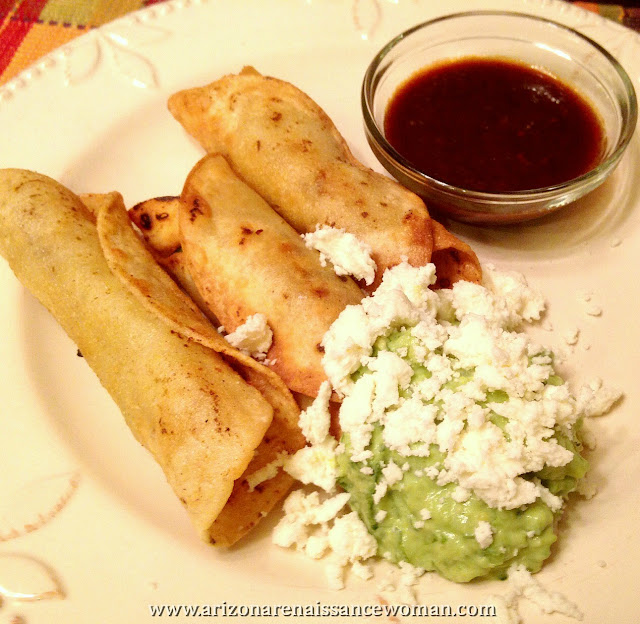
[493, 125]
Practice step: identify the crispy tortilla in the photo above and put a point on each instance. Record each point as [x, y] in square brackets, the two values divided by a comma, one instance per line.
[196, 414]
[176, 267]
[281, 143]
[245, 259]
[157, 220]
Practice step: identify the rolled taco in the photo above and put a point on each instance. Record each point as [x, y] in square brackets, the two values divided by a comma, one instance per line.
[283, 145]
[201, 412]
[245, 259]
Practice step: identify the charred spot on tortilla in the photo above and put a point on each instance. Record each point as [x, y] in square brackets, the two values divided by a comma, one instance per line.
[157, 220]
[195, 210]
[145, 221]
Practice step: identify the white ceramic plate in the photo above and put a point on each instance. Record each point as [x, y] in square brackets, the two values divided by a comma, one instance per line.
[94, 518]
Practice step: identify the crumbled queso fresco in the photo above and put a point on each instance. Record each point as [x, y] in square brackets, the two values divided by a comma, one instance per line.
[480, 458]
[448, 407]
[347, 254]
[253, 337]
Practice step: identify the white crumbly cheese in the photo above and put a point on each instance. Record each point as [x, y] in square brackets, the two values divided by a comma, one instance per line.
[356, 416]
[461, 494]
[571, 336]
[347, 254]
[587, 488]
[521, 584]
[514, 300]
[414, 283]
[595, 399]
[348, 343]
[253, 337]
[392, 473]
[315, 464]
[400, 589]
[334, 573]
[315, 420]
[267, 472]
[350, 540]
[317, 545]
[304, 514]
[468, 336]
[593, 309]
[380, 491]
[321, 528]
[411, 427]
[484, 534]
[468, 327]
[362, 570]
[381, 514]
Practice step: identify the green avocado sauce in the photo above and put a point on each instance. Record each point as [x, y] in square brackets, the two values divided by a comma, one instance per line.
[445, 541]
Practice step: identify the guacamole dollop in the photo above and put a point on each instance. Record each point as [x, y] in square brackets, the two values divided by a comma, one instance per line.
[435, 527]
[460, 443]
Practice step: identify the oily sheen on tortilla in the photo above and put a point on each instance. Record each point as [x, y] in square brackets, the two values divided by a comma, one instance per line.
[283, 145]
[200, 413]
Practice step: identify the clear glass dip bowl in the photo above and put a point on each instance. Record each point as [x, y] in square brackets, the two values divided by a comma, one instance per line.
[562, 52]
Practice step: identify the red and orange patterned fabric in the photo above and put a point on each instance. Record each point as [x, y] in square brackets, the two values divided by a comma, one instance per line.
[29, 29]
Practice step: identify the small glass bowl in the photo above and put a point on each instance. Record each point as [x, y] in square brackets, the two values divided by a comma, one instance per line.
[563, 52]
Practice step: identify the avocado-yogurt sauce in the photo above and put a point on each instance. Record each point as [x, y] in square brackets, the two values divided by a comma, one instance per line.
[420, 522]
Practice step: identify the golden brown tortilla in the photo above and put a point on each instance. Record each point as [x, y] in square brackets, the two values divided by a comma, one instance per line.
[282, 144]
[199, 418]
[245, 259]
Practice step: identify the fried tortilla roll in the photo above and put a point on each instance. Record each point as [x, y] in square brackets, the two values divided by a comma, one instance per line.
[129, 259]
[281, 143]
[245, 259]
[199, 418]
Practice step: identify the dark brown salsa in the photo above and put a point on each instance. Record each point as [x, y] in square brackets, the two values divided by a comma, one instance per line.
[493, 125]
